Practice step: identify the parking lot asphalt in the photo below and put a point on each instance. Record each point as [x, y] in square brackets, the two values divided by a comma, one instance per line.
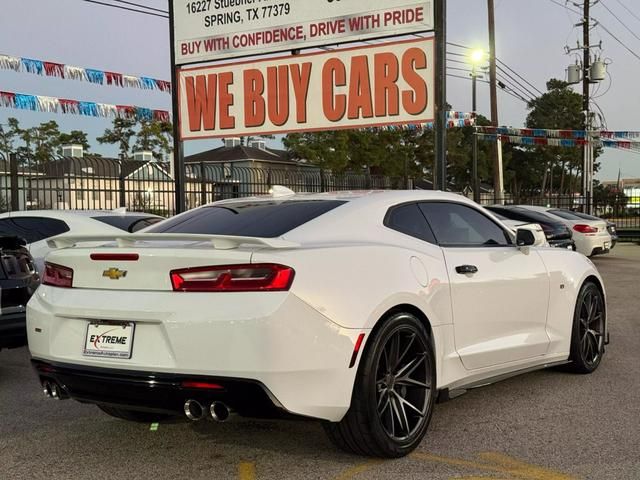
[546, 425]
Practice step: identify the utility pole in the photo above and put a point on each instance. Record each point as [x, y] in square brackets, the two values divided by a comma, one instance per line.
[440, 161]
[587, 150]
[474, 174]
[178, 153]
[498, 186]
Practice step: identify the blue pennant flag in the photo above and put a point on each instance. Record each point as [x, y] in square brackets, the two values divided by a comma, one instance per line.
[90, 109]
[144, 114]
[26, 102]
[95, 76]
[148, 83]
[32, 66]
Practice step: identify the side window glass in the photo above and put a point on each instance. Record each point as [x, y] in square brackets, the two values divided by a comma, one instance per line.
[409, 220]
[458, 225]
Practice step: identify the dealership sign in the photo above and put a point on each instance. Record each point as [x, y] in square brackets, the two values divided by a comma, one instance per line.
[368, 86]
[207, 30]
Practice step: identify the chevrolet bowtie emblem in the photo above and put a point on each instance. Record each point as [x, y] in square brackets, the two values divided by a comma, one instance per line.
[114, 273]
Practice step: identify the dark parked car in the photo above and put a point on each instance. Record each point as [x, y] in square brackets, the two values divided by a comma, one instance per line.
[557, 233]
[570, 214]
[18, 281]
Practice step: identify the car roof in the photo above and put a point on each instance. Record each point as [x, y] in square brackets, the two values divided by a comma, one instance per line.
[65, 214]
[362, 197]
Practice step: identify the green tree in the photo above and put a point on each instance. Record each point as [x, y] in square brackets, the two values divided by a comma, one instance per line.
[8, 137]
[550, 169]
[74, 137]
[155, 137]
[121, 135]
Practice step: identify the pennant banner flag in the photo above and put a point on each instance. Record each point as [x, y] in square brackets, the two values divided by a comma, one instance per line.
[533, 132]
[99, 77]
[561, 142]
[454, 120]
[75, 107]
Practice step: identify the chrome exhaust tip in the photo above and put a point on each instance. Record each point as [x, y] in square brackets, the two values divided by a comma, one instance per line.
[219, 412]
[194, 410]
[55, 391]
[46, 389]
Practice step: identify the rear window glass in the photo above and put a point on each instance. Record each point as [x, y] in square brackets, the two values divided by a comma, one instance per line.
[128, 223]
[524, 215]
[250, 219]
[32, 229]
[564, 214]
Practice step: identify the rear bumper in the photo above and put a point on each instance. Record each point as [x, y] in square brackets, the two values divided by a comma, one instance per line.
[273, 339]
[567, 243]
[13, 332]
[156, 392]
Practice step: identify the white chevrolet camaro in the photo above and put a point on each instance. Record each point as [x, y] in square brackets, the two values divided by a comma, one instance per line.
[359, 309]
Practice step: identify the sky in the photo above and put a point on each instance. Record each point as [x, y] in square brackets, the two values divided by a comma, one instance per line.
[530, 39]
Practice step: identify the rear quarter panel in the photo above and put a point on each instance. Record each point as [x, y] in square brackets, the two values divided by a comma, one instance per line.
[354, 284]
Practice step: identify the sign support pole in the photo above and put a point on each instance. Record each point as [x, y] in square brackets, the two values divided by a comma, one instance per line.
[178, 153]
[440, 161]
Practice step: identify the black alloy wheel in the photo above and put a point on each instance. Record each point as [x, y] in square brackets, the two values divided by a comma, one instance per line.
[588, 336]
[403, 384]
[394, 392]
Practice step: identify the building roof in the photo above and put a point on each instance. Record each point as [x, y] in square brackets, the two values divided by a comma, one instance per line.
[241, 153]
[99, 167]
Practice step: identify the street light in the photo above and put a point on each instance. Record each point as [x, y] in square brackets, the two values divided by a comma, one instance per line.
[477, 57]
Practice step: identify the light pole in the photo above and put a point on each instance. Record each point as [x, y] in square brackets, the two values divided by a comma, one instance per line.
[477, 56]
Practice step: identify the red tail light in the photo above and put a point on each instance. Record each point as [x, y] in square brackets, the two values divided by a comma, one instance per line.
[260, 277]
[57, 275]
[584, 228]
[201, 385]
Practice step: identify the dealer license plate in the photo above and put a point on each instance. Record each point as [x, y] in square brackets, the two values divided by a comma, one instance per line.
[109, 339]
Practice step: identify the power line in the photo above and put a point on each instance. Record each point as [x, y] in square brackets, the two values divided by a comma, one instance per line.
[513, 81]
[566, 7]
[505, 83]
[125, 8]
[600, 25]
[618, 40]
[142, 6]
[508, 92]
[517, 82]
[628, 10]
[618, 18]
[519, 76]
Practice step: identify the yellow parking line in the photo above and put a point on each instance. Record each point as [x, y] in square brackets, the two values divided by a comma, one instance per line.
[523, 470]
[497, 463]
[356, 470]
[247, 471]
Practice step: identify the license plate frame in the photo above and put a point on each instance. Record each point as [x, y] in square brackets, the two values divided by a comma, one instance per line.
[112, 346]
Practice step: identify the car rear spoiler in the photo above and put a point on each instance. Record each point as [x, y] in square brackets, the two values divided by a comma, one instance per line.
[221, 242]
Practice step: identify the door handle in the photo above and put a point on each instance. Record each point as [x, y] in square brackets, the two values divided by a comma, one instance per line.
[463, 269]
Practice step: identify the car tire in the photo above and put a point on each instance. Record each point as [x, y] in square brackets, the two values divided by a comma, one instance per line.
[394, 392]
[133, 415]
[589, 330]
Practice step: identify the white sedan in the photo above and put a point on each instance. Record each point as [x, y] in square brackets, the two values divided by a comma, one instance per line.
[591, 236]
[358, 309]
[36, 226]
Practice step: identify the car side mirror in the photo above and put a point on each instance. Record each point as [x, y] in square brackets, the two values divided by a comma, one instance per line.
[525, 237]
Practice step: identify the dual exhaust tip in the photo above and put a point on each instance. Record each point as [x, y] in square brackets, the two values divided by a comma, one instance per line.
[52, 390]
[195, 411]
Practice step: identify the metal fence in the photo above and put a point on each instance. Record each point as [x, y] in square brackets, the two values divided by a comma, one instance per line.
[95, 183]
[621, 210]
